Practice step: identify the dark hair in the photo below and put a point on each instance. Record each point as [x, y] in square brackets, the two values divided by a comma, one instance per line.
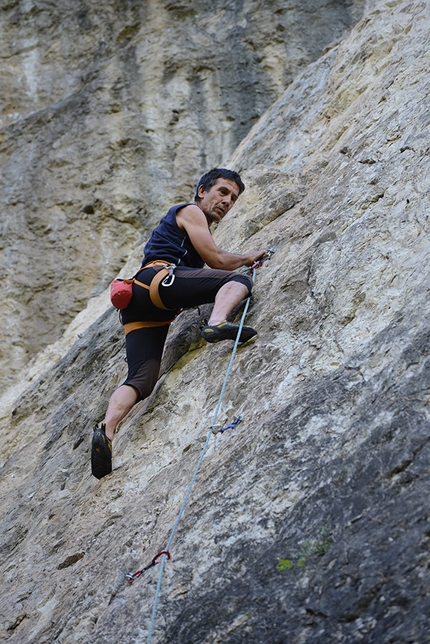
[210, 178]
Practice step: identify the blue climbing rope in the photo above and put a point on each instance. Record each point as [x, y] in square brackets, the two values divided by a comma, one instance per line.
[194, 476]
[162, 556]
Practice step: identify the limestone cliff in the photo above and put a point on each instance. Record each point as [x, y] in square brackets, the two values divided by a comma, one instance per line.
[309, 521]
[110, 111]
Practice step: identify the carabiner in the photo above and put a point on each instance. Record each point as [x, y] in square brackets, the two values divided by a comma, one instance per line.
[265, 257]
[168, 280]
[163, 552]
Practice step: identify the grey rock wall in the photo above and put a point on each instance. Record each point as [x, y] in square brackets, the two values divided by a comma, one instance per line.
[110, 110]
[309, 521]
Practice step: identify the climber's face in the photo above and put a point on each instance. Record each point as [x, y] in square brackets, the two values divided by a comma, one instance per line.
[217, 201]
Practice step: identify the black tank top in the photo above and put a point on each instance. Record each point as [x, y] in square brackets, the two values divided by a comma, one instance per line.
[169, 242]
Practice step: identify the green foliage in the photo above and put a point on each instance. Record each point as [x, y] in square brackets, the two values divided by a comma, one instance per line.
[284, 564]
[308, 548]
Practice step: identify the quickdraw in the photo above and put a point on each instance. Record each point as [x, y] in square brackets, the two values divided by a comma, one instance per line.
[219, 429]
[131, 576]
[265, 257]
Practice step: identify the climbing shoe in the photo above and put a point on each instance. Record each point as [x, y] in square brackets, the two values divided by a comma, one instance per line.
[101, 453]
[226, 331]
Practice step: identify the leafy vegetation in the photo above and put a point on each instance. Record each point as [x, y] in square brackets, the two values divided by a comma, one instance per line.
[308, 548]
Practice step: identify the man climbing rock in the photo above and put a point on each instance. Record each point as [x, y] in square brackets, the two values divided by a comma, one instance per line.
[183, 243]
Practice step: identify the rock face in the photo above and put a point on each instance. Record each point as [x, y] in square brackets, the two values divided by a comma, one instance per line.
[112, 110]
[309, 521]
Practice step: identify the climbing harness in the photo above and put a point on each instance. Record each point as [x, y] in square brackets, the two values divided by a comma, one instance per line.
[214, 429]
[148, 324]
[121, 291]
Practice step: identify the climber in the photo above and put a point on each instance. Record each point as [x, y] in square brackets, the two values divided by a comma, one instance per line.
[183, 242]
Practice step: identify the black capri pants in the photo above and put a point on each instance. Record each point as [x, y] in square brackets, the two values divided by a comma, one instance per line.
[191, 287]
